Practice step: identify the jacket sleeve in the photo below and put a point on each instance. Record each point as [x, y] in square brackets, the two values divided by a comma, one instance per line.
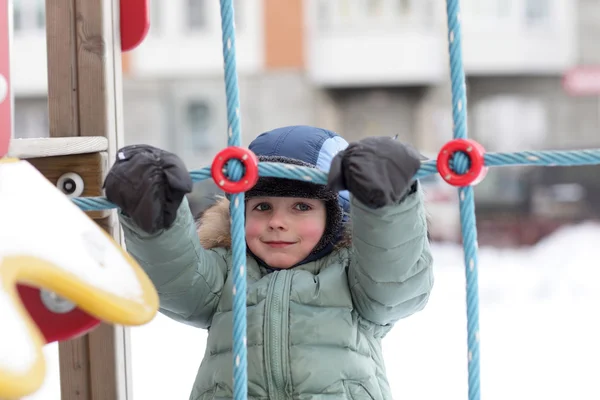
[188, 278]
[390, 272]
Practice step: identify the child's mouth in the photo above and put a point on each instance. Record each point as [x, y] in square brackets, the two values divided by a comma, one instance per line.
[278, 244]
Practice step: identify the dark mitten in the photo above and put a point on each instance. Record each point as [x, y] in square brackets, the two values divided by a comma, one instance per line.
[378, 171]
[148, 184]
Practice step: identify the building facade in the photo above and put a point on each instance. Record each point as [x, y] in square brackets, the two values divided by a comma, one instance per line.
[359, 67]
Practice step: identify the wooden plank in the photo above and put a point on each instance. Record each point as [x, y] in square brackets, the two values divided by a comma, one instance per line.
[84, 85]
[109, 366]
[56, 146]
[94, 99]
[102, 369]
[99, 71]
[61, 46]
[89, 370]
[74, 358]
[116, 364]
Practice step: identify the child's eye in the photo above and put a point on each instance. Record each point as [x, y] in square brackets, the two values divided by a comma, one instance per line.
[262, 207]
[302, 207]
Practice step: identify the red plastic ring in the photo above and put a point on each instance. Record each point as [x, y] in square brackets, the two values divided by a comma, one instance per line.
[55, 327]
[247, 158]
[474, 151]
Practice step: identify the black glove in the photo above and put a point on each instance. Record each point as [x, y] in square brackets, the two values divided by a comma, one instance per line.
[148, 184]
[378, 171]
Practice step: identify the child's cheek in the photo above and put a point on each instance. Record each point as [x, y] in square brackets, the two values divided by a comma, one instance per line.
[313, 231]
[252, 228]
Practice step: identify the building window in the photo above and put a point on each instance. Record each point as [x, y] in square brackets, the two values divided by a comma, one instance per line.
[324, 14]
[493, 9]
[344, 9]
[424, 12]
[199, 122]
[403, 7]
[40, 13]
[510, 123]
[237, 10]
[29, 15]
[31, 118]
[374, 7]
[155, 17]
[17, 17]
[196, 15]
[537, 11]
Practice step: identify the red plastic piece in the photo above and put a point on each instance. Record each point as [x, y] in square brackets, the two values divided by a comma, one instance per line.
[134, 23]
[474, 151]
[247, 158]
[5, 89]
[55, 327]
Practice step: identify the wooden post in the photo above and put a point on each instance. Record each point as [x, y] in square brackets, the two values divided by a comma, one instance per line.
[84, 99]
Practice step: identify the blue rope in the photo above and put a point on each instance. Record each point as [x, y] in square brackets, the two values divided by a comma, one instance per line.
[531, 158]
[465, 195]
[235, 173]
[459, 163]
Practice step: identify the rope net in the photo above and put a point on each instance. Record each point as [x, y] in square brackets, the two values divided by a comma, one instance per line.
[461, 162]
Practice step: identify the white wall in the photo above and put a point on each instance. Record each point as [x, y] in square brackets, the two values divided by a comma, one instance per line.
[357, 59]
[349, 44]
[352, 43]
[346, 47]
[169, 50]
[508, 40]
[172, 50]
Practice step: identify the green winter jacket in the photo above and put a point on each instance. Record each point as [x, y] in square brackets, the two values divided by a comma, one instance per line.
[314, 331]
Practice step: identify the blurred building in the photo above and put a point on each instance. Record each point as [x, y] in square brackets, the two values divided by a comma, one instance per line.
[360, 67]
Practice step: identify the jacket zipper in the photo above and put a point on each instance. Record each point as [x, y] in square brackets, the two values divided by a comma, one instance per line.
[276, 337]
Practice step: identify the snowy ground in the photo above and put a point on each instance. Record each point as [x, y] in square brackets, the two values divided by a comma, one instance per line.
[539, 331]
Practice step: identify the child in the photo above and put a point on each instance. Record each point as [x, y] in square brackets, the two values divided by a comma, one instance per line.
[328, 274]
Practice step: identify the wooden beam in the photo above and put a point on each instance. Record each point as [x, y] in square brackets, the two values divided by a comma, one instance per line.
[84, 99]
[52, 147]
[63, 110]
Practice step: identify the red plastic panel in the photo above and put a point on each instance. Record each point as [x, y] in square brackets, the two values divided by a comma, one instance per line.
[5, 90]
[135, 22]
[55, 327]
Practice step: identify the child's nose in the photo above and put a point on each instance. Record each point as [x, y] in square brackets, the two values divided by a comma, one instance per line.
[277, 220]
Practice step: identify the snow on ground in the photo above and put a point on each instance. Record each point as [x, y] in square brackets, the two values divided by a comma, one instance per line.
[538, 319]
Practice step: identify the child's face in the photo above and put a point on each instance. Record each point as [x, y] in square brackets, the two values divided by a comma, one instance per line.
[283, 231]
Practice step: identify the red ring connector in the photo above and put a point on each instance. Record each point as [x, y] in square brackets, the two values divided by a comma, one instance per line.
[474, 151]
[247, 158]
